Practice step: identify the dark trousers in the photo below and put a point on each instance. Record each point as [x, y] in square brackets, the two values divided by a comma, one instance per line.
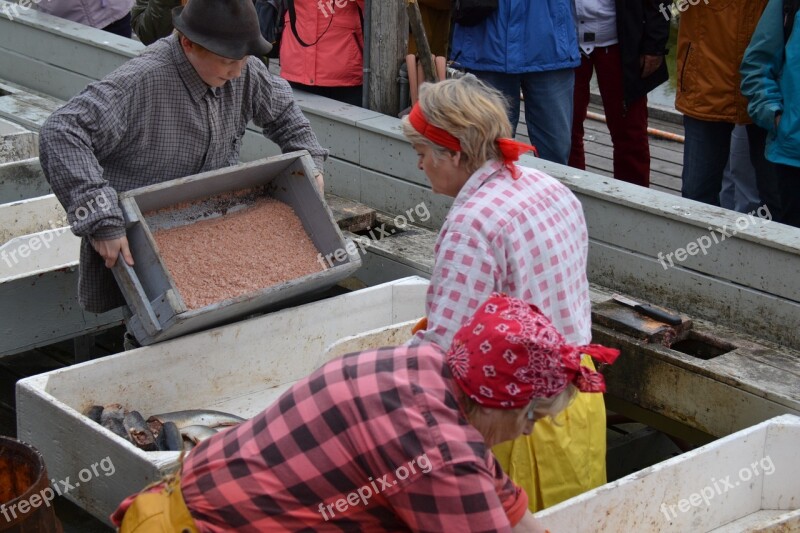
[548, 107]
[120, 27]
[348, 95]
[789, 187]
[705, 155]
[628, 127]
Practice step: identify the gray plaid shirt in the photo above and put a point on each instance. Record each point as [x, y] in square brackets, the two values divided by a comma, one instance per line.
[152, 120]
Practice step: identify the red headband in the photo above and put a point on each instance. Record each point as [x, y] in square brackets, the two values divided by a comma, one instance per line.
[509, 353]
[509, 148]
[431, 132]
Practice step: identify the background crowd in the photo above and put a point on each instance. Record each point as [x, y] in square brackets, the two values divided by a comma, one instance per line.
[547, 54]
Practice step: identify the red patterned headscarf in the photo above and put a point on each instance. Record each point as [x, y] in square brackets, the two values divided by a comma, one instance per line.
[509, 353]
[509, 148]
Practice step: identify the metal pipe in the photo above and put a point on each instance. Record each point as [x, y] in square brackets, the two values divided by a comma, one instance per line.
[366, 56]
[651, 131]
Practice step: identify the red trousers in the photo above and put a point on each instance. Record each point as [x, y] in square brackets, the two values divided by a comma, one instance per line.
[628, 127]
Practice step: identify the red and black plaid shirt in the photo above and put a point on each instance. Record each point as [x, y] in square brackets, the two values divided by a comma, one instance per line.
[385, 419]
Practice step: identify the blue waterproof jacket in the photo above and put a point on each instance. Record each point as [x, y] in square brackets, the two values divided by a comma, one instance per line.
[771, 82]
[520, 36]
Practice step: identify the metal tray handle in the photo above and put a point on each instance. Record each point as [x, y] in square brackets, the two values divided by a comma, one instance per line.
[135, 296]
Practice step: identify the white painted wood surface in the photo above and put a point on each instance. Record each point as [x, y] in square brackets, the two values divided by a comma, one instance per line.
[32, 215]
[392, 335]
[23, 179]
[745, 479]
[16, 142]
[240, 368]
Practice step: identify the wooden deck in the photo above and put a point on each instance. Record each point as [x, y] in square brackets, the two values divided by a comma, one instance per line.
[666, 156]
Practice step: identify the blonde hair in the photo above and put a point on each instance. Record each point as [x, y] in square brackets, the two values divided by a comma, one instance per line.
[543, 407]
[468, 109]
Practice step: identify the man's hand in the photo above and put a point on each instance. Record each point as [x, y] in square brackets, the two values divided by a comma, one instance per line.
[320, 181]
[109, 250]
[649, 64]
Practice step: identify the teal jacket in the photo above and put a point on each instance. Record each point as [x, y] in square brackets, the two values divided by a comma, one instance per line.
[771, 82]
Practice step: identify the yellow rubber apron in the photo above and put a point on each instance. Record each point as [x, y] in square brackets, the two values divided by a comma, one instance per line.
[560, 459]
[164, 511]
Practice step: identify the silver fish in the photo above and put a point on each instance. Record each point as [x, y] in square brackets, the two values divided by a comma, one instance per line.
[197, 434]
[197, 417]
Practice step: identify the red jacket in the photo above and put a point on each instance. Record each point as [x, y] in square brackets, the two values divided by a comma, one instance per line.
[336, 60]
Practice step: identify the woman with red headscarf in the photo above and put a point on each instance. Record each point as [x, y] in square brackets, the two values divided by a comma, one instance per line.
[518, 231]
[394, 439]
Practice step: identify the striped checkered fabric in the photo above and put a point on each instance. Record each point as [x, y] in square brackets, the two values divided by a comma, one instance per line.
[363, 420]
[152, 120]
[525, 238]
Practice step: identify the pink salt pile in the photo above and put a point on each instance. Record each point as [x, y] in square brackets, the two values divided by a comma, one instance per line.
[238, 253]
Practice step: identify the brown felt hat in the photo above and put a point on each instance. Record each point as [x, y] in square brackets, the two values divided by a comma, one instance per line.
[228, 28]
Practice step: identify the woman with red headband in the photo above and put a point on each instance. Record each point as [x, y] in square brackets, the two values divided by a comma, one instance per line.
[394, 439]
[518, 231]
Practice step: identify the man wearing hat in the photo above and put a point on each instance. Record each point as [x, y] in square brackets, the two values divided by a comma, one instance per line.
[393, 439]
[178, 109]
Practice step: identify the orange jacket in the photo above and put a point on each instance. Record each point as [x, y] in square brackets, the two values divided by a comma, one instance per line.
[337, 59]
[712, 38]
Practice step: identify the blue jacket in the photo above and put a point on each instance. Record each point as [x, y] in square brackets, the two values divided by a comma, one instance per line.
[520, 36]
[771, 88]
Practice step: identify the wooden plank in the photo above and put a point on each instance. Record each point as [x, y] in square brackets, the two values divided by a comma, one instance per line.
[44, 309]
[388, 46]
[350, 215]
[679, 393]
[61, 46]
[712, 298]
[732, 258]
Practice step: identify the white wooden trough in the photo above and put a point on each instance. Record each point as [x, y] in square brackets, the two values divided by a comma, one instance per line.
[31, 215]
[240, 368]
[39, 278]
[16, 142]
[747, 481]
[22, 179]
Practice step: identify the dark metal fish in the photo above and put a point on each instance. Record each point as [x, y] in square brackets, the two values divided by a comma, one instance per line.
[112, 410]
[173, 441]
[115, 426]
[95, 413]
[139, 433]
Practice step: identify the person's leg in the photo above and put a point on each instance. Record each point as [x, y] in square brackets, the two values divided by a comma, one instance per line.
[767, 181]
[742, 173]
[509, 85]
[548, 112]
[583, 78]
[789, 187]
[705, 154]
[628, 127]
[727, 195]
[120, 27]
